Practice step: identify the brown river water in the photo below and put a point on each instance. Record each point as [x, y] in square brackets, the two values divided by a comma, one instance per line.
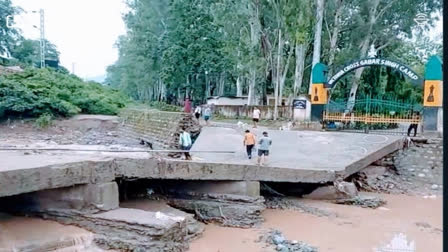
[413, 222]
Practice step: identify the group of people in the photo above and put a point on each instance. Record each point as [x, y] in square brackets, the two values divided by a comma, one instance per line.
[264, 144]
[207, 113]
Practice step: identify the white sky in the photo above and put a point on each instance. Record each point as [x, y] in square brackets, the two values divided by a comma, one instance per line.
[85, 31]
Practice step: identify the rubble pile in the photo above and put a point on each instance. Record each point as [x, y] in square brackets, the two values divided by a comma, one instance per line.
[363, 201]
[225, 209]
[276, 239]
[295, 204]
[379, 179]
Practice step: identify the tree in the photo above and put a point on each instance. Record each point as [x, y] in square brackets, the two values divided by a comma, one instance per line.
[8, 34]
[320, 4]
[382, 23]
[27, 52]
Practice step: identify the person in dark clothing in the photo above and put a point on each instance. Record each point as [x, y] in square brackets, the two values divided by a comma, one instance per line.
[413, 126]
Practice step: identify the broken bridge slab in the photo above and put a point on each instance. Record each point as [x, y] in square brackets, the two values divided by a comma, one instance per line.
[296, 156]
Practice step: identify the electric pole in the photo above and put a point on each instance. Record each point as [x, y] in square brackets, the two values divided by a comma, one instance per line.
[42, 38]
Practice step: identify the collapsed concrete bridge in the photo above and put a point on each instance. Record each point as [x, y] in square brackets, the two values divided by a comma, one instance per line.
[80, 187]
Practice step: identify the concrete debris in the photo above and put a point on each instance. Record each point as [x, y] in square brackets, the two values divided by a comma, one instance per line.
[162, 210]
[296, 204]
[129, 229]
[363, 201]
[276, 239]
[226, 209]
[340, 190]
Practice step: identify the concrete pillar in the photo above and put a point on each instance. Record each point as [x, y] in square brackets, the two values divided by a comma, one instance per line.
[301, 108]
[90, 198]
[245, 188]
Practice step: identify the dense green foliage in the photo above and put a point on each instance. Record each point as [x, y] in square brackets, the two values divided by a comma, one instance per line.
[43, 91]
[198, 48]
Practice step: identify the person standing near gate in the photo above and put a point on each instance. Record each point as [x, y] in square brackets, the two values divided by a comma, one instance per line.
[249, 142]
[185, 143]
[263, 148]
[413, 126]
[256, 116]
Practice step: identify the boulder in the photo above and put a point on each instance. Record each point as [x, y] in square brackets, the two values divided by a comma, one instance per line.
[341, 190]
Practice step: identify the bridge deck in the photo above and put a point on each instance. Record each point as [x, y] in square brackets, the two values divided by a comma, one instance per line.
[312, 157]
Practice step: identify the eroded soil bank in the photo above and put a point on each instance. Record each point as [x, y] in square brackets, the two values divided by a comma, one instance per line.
[350, 229]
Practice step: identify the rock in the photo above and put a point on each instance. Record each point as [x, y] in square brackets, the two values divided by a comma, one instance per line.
[277, 239]
[434, 187]
[374, 171]
[421, 175]
[348, 188]
[365, 202]
[341, 190]
[280, 247]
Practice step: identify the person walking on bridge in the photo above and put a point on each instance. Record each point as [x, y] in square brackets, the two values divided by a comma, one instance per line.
[249, 142]
[256, 116]
[263, 148]
[207, 115]
[185, 143]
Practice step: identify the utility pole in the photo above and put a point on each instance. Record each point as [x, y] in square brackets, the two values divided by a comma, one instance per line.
[42, 38]
[73, 67]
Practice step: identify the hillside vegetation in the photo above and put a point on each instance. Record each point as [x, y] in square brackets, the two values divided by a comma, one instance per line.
[37, 92]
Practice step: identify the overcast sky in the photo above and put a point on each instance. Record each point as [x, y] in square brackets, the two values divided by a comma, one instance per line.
[84, 31]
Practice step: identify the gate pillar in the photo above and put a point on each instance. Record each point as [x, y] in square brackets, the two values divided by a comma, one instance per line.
[319, 91]
[433, 97]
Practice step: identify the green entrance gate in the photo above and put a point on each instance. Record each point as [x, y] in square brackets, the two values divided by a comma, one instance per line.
[385, 115]
[379, 114]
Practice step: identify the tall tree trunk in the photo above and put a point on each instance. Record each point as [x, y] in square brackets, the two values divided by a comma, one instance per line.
[285, 71]
[300, 63]
[358, 74]
[239, 90]
[317, 38]
[277, 82]
[334, 36]
[251, 94]
[221, 85]
[364, 47]
[254, 23]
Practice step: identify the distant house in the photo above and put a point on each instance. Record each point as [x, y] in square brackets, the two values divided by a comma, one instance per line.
[227, 100]
[242, 100]
[10, 70]
[271, 101]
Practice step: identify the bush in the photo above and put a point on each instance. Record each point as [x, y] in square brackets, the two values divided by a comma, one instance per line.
[44, 121]
[36, 92]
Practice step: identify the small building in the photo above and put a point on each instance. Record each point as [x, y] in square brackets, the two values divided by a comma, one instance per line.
[10, 70]
[242, 100]
[227, 100]
[271, 101]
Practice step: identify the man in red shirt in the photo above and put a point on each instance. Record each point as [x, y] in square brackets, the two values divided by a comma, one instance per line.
[187, 106]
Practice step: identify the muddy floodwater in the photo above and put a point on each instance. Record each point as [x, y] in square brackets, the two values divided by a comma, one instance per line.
[405, 223]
